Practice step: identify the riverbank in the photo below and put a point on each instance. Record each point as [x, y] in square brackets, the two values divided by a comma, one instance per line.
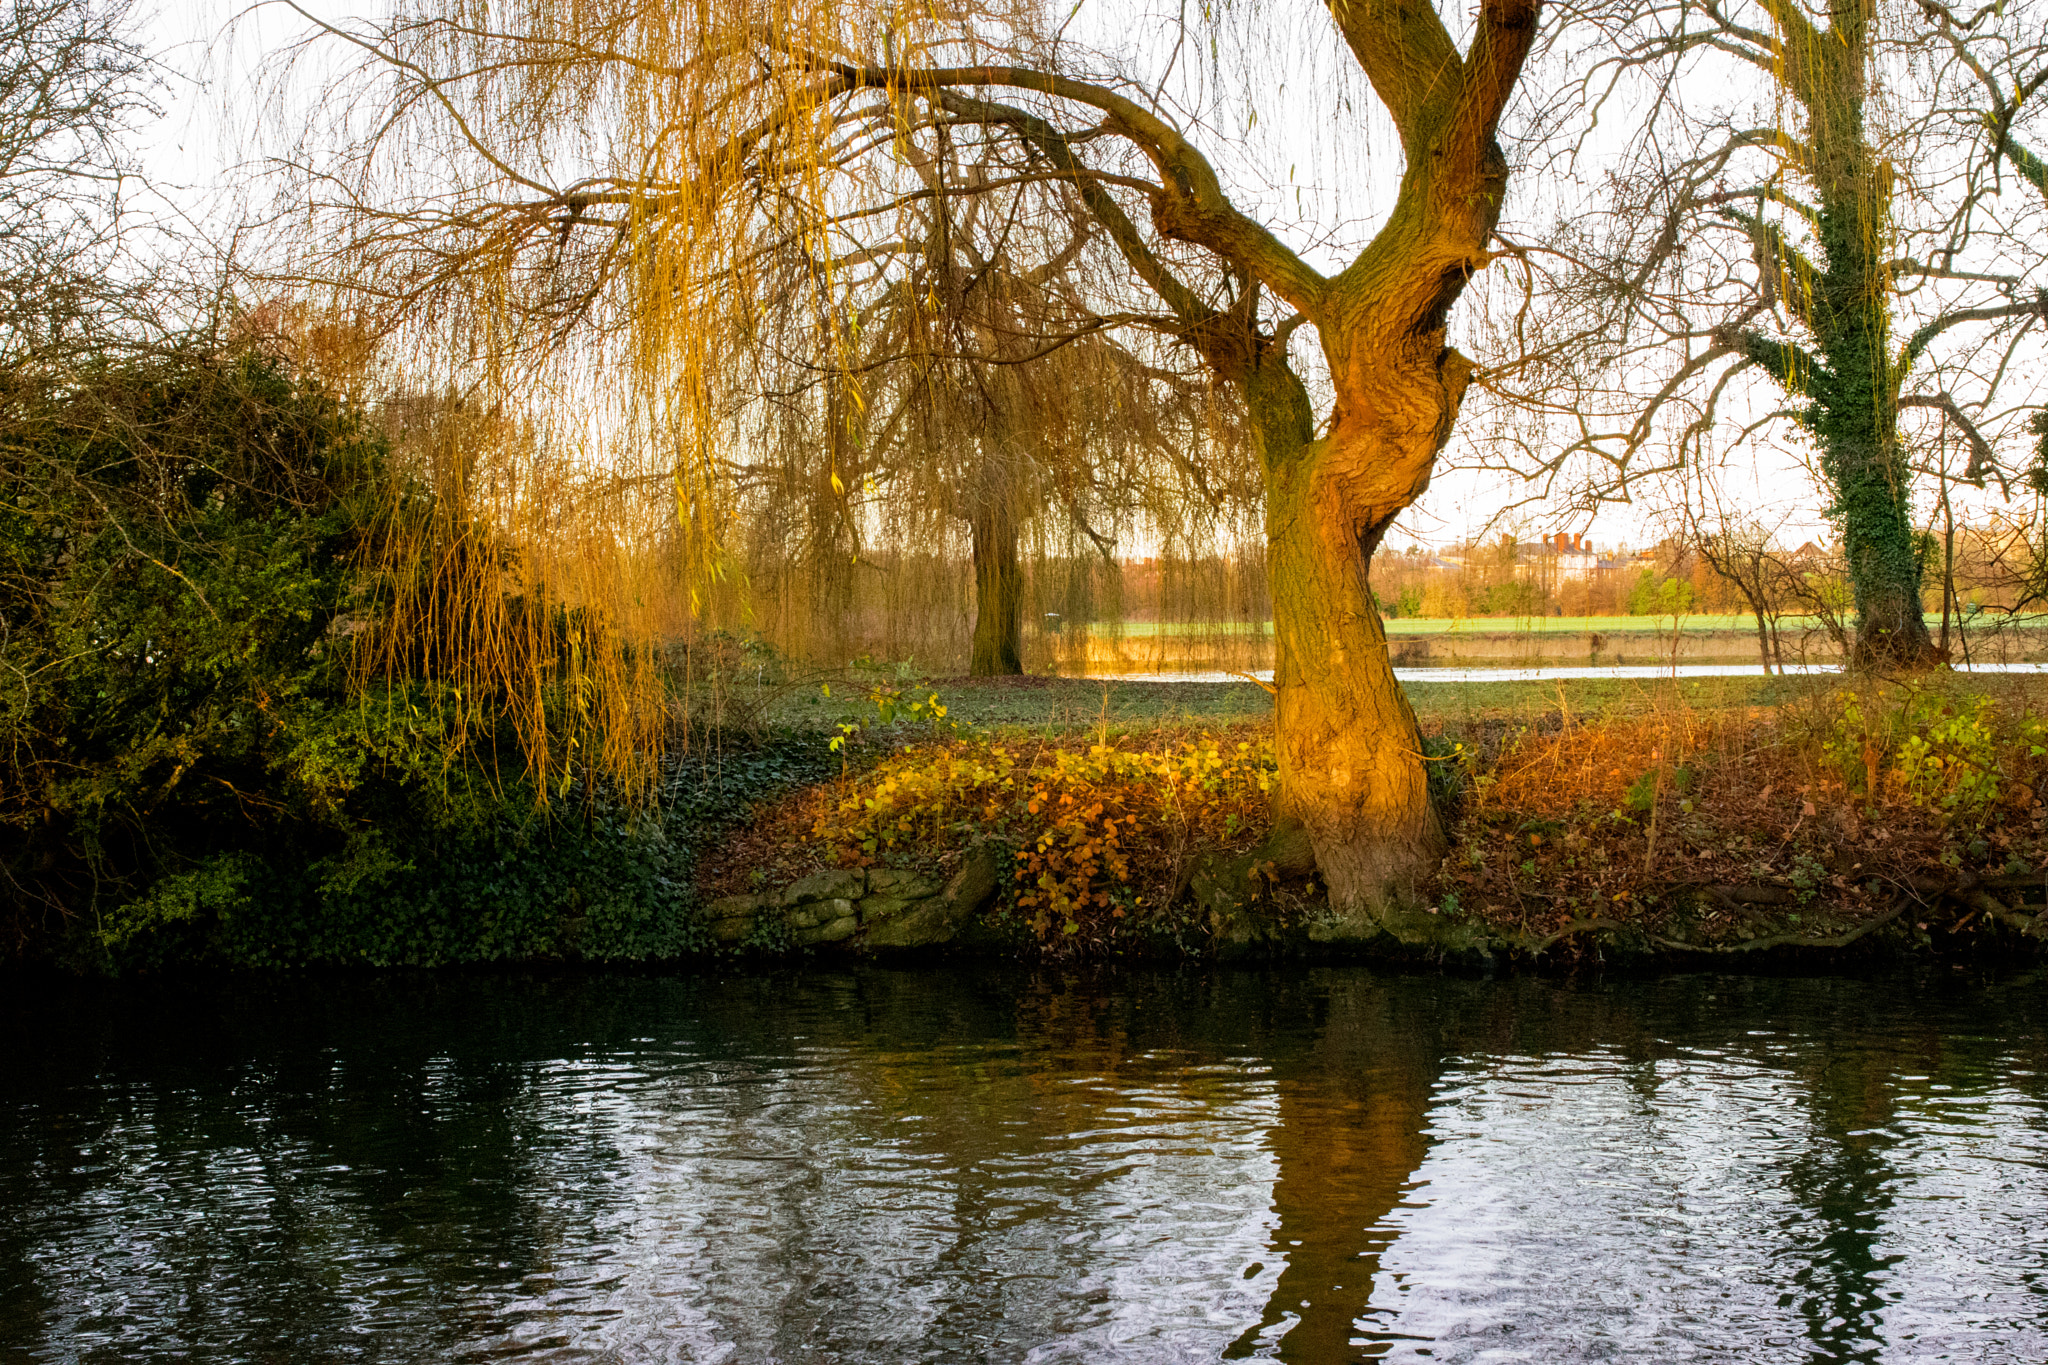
[1670, 824]
[1660, 823]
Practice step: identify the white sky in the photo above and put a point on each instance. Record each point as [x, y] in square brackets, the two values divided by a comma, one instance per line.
[1312, 168]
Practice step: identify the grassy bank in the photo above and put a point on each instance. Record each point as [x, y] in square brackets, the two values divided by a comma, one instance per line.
[1689, 818]
[1545, 625]
[1055, 705]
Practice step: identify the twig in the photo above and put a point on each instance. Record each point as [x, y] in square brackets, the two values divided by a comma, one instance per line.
[1577, 926]
[1254, 681]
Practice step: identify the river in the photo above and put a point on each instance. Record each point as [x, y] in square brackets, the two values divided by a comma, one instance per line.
[998, 1165]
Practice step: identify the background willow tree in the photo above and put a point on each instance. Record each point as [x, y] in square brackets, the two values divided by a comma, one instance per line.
[982, 389]
[620, 172]
[1832, 237]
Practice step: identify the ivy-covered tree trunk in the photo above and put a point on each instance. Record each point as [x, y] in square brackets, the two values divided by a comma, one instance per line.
[1872, 504]
[1852, 380]
[998, 590]
[1855, 393]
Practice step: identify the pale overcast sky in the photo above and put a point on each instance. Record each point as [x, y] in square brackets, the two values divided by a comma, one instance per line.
[1302, 166]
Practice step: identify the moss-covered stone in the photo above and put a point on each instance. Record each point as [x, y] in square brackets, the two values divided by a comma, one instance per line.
[833, 884]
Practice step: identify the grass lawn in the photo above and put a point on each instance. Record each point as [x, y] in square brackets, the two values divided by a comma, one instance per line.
[1055, 705]
[1060, 704]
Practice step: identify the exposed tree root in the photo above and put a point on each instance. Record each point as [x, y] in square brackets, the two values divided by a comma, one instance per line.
[1229, 889]
[1969, 890]
[2032, 926]
[1843, 940]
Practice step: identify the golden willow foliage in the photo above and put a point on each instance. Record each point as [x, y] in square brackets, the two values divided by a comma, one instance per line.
[984, 410]
[722, 348]
[513, 583]
[546, 630]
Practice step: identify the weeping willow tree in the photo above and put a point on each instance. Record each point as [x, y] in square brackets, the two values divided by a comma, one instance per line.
[605, 187]
[515, 581]
[984, 390]
[1826, 234]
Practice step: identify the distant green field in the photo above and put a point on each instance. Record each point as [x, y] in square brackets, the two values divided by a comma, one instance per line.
[1570, 625]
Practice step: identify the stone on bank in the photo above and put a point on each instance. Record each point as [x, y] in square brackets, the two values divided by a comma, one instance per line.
[875, 909]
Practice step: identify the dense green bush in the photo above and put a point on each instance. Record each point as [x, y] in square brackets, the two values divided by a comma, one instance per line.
[187, 772]
[1653, 595]
[1512, 598]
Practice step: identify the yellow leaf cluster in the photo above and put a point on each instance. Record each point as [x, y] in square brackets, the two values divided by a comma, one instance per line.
[1097, 832]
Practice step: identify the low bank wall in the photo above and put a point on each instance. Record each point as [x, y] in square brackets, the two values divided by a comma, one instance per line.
[1476, 644]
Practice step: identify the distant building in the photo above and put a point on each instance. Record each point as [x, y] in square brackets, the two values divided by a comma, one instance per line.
[1622, 561]
[1563, 556]
[1575, 556]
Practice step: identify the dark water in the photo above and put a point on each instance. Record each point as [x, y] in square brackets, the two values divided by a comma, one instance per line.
[883, 1166]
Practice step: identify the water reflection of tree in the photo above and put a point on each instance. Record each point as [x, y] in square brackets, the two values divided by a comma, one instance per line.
[445, 1149]
[289, 1154]
[1348, 1060]
[1863, 1068]
[1843, 1182]
[1354, 1104]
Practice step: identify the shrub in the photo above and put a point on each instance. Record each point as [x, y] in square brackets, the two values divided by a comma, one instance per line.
[1954, 757]
[188, 772]
[1513, 598]
[1655, 596]
[1096, 833]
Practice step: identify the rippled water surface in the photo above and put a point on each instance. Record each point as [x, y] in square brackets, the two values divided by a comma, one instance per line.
[933, 1166]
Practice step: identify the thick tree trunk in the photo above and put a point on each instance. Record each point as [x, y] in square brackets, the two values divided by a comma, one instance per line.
[998, 591]
[1856, 418]
[1349, 751]
[1350, 755]
[1855, 387]
[1350, 761]
[1884, 567]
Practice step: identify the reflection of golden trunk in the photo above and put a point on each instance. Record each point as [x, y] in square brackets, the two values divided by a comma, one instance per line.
[1351, 1135]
